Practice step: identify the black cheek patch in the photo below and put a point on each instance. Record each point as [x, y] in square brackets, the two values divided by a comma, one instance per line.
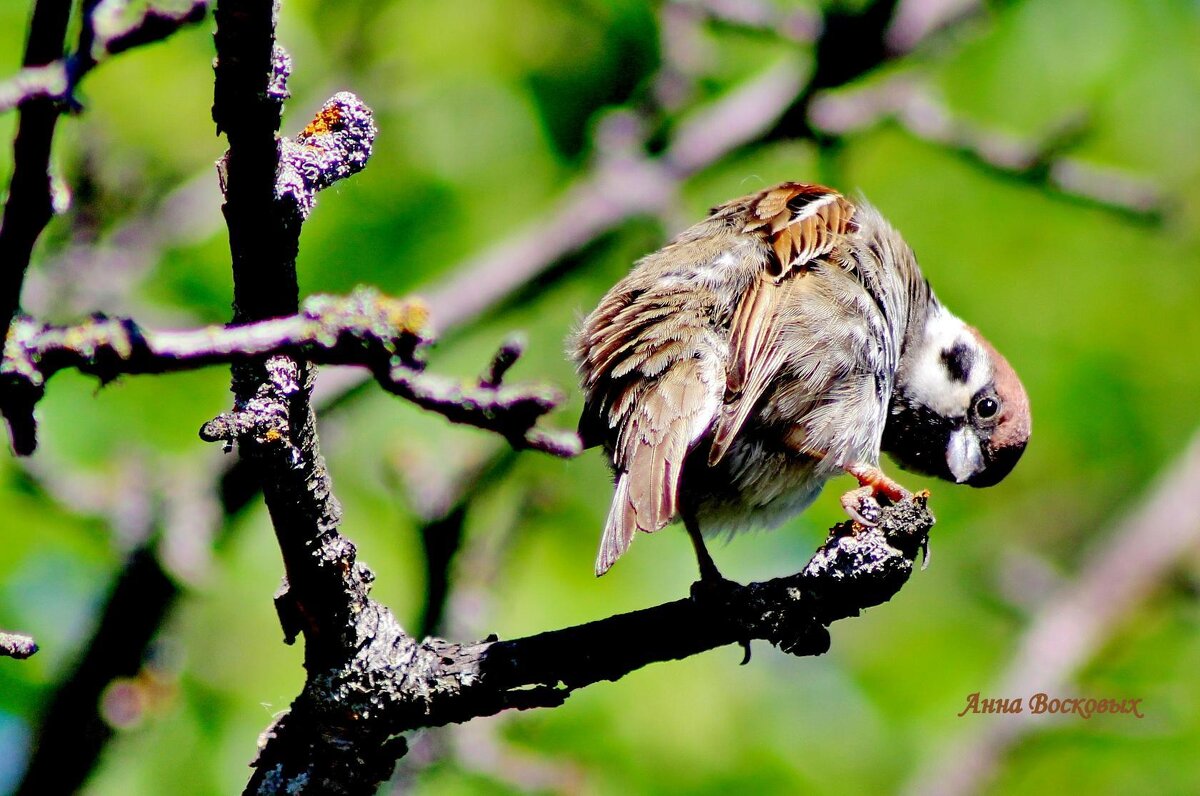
[916, 437]
[958, 360]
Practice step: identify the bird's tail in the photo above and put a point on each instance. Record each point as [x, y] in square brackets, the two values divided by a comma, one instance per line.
[619, 528]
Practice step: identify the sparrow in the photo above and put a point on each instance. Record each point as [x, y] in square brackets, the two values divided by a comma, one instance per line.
[786, 339]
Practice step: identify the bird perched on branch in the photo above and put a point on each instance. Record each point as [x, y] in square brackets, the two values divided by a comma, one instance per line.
[784, 340]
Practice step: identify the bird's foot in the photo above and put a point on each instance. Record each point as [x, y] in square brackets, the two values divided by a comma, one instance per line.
[863, 504]
[713, 591]
[715, 594]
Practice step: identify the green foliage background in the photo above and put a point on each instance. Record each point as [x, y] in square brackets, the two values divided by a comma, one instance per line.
[486, 111]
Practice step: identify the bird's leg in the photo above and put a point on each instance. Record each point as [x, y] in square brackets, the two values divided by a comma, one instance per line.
[712, 586]
[708, 570]
[862, 504]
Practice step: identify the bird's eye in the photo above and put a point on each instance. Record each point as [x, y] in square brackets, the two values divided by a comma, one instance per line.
[986, 408]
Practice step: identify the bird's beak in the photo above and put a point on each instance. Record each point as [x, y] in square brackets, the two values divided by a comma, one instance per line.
[963, 455]
[1000, 463]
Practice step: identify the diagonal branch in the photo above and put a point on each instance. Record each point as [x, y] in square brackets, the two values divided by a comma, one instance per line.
[1044, 161]
[335, 738]
[618, 189]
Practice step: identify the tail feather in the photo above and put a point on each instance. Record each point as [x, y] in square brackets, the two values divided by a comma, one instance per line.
[619, 528]
[665, 418]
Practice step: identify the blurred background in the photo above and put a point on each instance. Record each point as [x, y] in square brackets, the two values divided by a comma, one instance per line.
[1040, 156]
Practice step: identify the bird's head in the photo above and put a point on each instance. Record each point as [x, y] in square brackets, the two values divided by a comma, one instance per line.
[958, 410]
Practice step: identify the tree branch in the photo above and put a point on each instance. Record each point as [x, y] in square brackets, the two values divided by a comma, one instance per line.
[335, 737]
[111, 35]
[1042, 161]
[620, 187]
[47, 81]
[30, 204]
[32, 199]
[335, 145]
[365, 328]
[17, 645]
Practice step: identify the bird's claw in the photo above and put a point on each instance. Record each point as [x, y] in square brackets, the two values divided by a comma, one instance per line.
[862, 506]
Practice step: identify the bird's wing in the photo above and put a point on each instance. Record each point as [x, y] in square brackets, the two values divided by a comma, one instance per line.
[654, 376]
[799, 223]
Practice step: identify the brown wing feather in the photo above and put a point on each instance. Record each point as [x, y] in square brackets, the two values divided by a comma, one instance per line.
[756, 359]
[800, 223]
[653, 382]
[653, 372]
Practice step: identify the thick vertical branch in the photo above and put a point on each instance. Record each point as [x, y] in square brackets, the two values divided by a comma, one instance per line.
[251, 74]
[325, 588]
[250, 88]
[30, 204]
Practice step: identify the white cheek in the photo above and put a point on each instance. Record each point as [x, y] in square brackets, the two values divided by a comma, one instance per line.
[931, 383]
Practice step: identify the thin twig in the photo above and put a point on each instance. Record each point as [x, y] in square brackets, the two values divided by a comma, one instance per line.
[365, 328]
[16, 645]
[153, 25]
[1043, 161]
[32, 198]
[508, 411]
